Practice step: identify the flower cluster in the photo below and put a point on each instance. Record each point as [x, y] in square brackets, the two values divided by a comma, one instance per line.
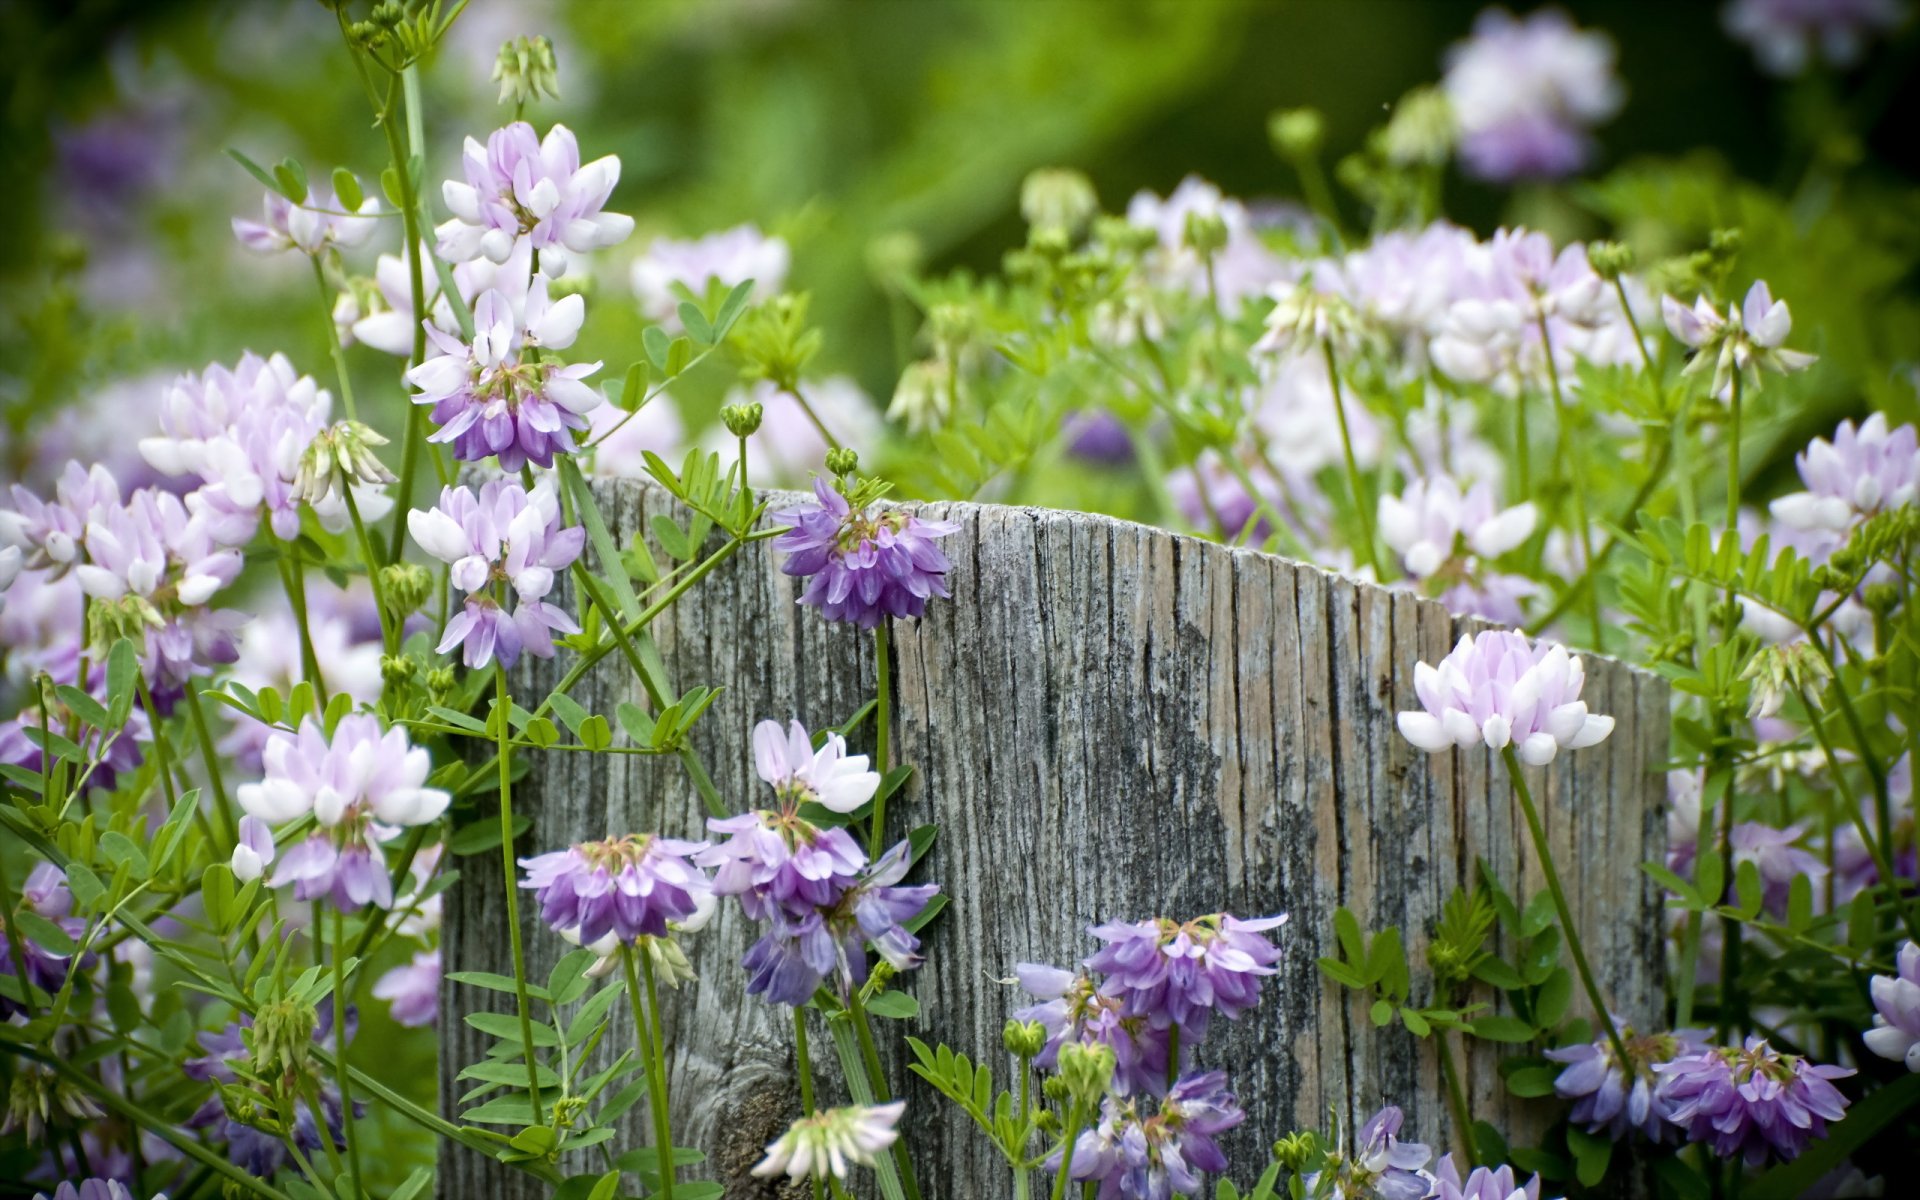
[1616, 1098]
[1751, 1101]
[863, 564]
[825, 1143]
[1144, 1148]
[1526, 91]
[520, 186]
[506, 539]
[672, 271]
[1744, 342]
[313, 226]
[362, 786]
[613, 892]
[1896, 1019]
[822, 900]
[1500, 689]
[1379, 1165]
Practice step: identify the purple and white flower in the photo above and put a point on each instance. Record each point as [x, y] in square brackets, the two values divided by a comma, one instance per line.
[505, 539]
[1432, 522]
[1778, 858]
[1863, 471]
[1525, 92]
[781, 865]
[1751, 1101]
[1380, 1167]
[1787, 35]
[1896, 1018]
[829, 776]
[863, 565]
[1746, 341]
[253, 851]
[413, 990]
[1614, 1100]
[823, 1145]
[1071, 1008]
[314, 226]
[521, 186]
[1481, 1183]
[670, 270]
[1498, 689]
[1181, 973]
[1242, 269]
[1147, 1149]
[617, 890]
[51, 534]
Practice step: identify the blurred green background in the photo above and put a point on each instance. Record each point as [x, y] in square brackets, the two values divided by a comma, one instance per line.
[828, 122]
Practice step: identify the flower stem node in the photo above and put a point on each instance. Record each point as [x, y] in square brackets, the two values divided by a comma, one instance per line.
[1610, 260]
[1294, 1151]
[742, 420]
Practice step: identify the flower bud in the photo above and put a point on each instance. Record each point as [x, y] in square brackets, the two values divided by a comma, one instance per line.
[1297, 133]
[1055, 1089]
[670, 965]
[1024, 1039]
[337, 458]
[843, 461]
[1776, 672]
[526, 70]
[281, 1037]
[1295, 1150]
[440, 681]
[1057, 200]
[1206, 233]
[922, 400]
[742, 420]
[1087, 1069]
[1882, 597]
[1421, 131]
[1122, 236]
[1610, 260]
[397, 670]
[405, 587]
[894, 258]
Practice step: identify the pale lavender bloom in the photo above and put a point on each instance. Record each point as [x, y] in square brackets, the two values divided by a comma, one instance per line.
[865, 565]
[779, 864]
[92, 1189]
[1143, 1150]
[1175, 973]
[491, 397]
[1526, 91]
[1406, 282]
[822, 1146]
[617, 890]
[382, 316]
[1072, 1008]
[269, 656]
[253, 851]
[1432, 524]
[799, 774]
[256, 1151]
[1381, 1167]
[1896, 1019]
[1776, 857]
[1861, 472]
[1097, 436]
[361, 787]
[1787, 35]
[788, 448]
[518, 186]
[47, 896]
[1604, 1100]
[314, 226]
[1751, 1101]
[1745, 341]
[413, 990]
[1242, 269]
[620, 440]
[1481, 1183]
[672, 270]
[1492, 596]
[1683, 819]
[1299, 430]
[507, 536]
[1210, 495]
[1498, 689]
[93, 428]
[1505, 290]
[51, 534]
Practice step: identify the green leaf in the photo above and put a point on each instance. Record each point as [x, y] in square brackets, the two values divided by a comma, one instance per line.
[731, 308]
[571, 714]
[124, 852]
[595, 733]
[1538, 916]
[459, 720]
[1415, 1022]
[605, 552]
[1749, 888]
[484, 834]
[637, 724]
[506, 1027]
[1591, 1154]
[1533, 1081]
[254, 169]
[655, 342]
[1551, 1003]
[292, 178]
[695, 323]
[1503, 1029]
[568, 981]
[541, 733]
[51, 937]
[1346, 927]
[346, 189]
[84, 706]
[84, 884]
[416, 1183]
[896, 1006]
[671, 537]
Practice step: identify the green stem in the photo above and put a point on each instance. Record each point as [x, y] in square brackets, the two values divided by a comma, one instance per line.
[389, 635]
[16, 947]
[414, 435]
[1595, 564]
[293, 575]
[1573, 464]
[342, 1071]
[198, 717]
[1065, 1170]
[870, 1054]
[1733, 455]
[1601, 1013]
[882, 728]
[861, 1090]
[1362, 501]
[504, 705]
[803, 1067]
[646, 1024]
[1456, 1098]
[818, 424]
[333, 338]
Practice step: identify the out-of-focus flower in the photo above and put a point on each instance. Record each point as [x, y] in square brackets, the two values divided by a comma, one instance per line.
[1499, 689]
[1746, 340]
[1525, 92]
[492, 397]
[823, 1145]
[526, 70]
[361, 786]
[92, 1189]
[1430, 523]
[413, 990]
[1242, 267]
[1481, 1183]
[620, 440]
[519, 186]
[269, 656]
[863, 565]
[829, 776]
[1752, 1101]
[1787, 35]
[1861, 472]
[1896, 1018]
[1148, 1150]
[1614, 1100]
[508, 536]
[621, 888]
[1181, 973]
[671, 270]
[1779, 860]
[51, 534]
[789, 448]
[314, 226]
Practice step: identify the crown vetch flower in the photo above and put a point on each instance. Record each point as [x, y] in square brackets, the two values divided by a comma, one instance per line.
[519, 185]
[1861, 472]
[1381, 1165]
[413, 990]
[1481, 1183]
[506, 538]
[1148, 1150]
[826, 1143]
[1787, 35]
[1525, 91]
[1499, 689]
[361, 786]
[253, 851]
[257, 1151]
[315, 225]
[1072, 1008]
[92, 1189]
[491, 397]
[1176, 973]
[51, 534]
[829, 776]
[1615, 1101]
[863, 564]
[1242, 267]
[1777, 858]
[1896, 1019]
[1752, 1101]
[622, 888]
[779, 863]
[729, 258]
[1427, 524]
[1746, 340]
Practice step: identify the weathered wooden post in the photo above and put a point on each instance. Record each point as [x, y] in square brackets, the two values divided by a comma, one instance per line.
[1108, 721]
